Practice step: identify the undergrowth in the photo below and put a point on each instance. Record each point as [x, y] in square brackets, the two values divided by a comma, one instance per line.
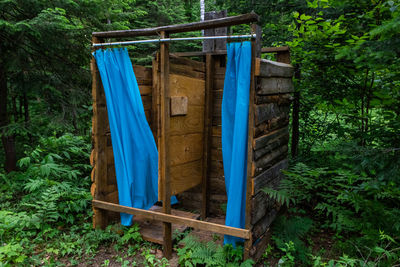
[355, 201]
[210, 254]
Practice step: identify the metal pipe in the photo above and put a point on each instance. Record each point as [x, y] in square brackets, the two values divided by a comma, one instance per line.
[176, 39]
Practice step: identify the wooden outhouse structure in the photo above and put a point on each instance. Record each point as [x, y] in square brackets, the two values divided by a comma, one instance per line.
[182, 101]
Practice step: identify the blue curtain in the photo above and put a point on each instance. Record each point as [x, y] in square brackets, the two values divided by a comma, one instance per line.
[135, 151]
[235, 110]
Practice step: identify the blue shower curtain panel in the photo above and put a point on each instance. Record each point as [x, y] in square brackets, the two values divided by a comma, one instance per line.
[135, 151]
[235, 110]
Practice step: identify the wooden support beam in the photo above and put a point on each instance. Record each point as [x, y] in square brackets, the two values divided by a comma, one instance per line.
[274, 49]
[164, 161]
[168, 218]
[208, 112]
[268, 68]
[99, 140]
[188, 27]
[278, 49]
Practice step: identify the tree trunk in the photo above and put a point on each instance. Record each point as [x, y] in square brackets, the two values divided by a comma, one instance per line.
[7, 141]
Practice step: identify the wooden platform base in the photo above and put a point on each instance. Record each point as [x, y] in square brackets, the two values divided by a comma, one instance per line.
[152, 231]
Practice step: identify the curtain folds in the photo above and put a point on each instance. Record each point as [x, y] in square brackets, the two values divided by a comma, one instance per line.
[235, 110]
[135, 151]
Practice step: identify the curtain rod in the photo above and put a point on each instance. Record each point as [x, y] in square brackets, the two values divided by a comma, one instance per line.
[176, 39]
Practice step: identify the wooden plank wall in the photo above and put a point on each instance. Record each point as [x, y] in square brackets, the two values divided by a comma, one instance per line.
[102, 158]
[270, 144]
[187, 79]
[216, 183]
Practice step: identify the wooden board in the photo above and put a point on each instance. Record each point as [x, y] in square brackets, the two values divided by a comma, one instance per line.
[268, 68]
[187, 27]
[173, 219]
[185, 176]
[192, 88]
[192, 122]
[186, 132]
[185, 148]
[270, 86]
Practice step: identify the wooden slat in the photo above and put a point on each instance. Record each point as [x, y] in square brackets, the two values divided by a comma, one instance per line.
[268, 68]
[164, 160]
[145, 89]
[155, 99]
[263, 179]
[223, 52]
[274, 49]
[192, 88]
[262, 141]
[192, 64]
[142, 73]
[192, 122]
[262, 202]
[281, 99]
[186, 71]
[99, 141]
[193, 26]
[185, 176]
[267, 112]
[272, 85]
[185, 148]
[269, 159]
[169, 218]
[262, 225]
[271, 146]
[207, 135]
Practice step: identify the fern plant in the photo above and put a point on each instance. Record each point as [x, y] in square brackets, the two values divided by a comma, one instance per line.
[195, 253]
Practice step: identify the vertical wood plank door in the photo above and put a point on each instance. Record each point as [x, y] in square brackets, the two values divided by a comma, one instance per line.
[186, 131]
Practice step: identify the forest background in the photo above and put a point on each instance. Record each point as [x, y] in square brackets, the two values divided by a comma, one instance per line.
[343, 188]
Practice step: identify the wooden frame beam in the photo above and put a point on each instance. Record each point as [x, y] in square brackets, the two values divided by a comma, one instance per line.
[164, 160]
[188, 27]
[208, 113]
[264, 50]
[168, 218]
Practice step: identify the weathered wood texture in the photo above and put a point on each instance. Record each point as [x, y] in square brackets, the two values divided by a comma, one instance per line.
[193, 26]
[99, 140]
[173, 219]
[270, 144]
[218, 44]
[269, 68]
[192, 198]
[187, 132]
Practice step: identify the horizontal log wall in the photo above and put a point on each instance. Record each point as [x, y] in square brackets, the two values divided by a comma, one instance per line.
[270, 144]
[102, 158]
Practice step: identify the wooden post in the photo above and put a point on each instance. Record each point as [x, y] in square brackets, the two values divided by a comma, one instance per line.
[99, 142]
[163, 149]
[255, 52]
[155, 108]
[208, 112]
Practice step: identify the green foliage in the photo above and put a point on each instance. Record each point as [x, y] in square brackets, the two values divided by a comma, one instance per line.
[289, 235]
[210, 254]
